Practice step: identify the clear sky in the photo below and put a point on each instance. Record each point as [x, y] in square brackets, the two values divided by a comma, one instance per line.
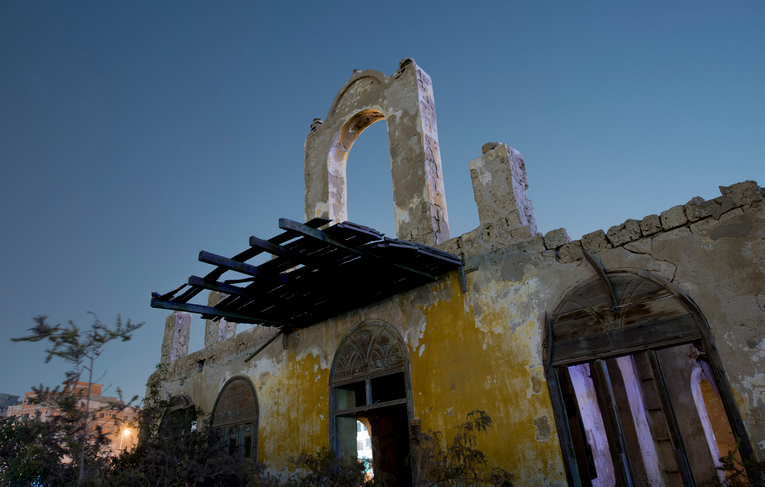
[135, 134]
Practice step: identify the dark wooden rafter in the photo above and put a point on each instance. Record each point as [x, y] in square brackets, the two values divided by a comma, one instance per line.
[314, 275]
[286, 224]
[208, 310]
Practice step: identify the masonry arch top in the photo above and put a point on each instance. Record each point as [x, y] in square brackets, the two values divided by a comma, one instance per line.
[405, 101]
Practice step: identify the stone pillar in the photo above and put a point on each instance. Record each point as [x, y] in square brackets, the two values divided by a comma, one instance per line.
[499, 187]
[217, 331]
[176, 341]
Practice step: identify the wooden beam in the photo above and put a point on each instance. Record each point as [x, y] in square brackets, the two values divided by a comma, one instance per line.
[669, 414]
[217, 286]
[253, 251]
[270, 247]
[230, 264]
[609, 412]
[262, 347]
[561, 423]
[210, 311]
[286, 224]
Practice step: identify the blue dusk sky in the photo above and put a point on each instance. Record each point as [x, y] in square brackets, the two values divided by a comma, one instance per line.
[135, 134]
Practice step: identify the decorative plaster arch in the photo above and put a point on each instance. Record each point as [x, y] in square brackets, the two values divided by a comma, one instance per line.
[370, 347]
[405, 101]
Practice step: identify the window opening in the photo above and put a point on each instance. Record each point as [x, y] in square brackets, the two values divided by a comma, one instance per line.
[631, 383]
[236, 414]
[370, 392]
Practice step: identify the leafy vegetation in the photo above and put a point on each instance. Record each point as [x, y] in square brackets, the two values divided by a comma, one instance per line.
[68, 448]
[460, 463]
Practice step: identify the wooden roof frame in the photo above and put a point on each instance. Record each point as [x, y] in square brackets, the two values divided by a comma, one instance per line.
[314, 275]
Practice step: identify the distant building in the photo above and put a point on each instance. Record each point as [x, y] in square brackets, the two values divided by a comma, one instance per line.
[7, 400]
[119, 426]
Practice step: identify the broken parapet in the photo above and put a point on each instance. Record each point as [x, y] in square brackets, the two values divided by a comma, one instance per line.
[505, 213]
[176, 340]
[499, 187]
[633, 234]
[217, 331]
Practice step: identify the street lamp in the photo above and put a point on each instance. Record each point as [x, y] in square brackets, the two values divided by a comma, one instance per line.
[124, 434]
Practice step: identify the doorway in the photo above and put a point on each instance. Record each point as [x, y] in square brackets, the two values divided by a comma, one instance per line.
[370, 384]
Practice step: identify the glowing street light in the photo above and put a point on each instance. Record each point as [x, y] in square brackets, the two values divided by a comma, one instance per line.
[124, 434]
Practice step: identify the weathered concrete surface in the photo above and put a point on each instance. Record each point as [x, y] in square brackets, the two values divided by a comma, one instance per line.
[499, 187]
[217, 331]
[405, 101]
[176, 340]
[482, 349]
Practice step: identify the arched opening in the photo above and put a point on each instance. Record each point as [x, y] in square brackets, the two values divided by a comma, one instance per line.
[369, 180]
[625, 356]
[180, 417]
[364, 445]
[236, 414]
[406, 102]
[370, 385]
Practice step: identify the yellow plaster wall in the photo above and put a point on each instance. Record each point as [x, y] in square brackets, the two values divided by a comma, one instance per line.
[458, 368]
[294, 409]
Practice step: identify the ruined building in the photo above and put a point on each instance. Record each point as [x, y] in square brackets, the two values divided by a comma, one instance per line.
[634, 356]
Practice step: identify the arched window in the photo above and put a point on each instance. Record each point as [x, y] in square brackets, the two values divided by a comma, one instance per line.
[236, 413]
[180, 417]
[622, 357]
[370, 384]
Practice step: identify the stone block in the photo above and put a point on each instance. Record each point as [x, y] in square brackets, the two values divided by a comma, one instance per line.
[570, 252]
[673, 218]
[595, 241]
[744, 193]
[626, 232]
[642, 246]
[703, 226]
[697, 208]
[499, 186]
[534, 245]
[523, 233]
[217, 331]
[725, 205]
[650, 225]
[556, 238]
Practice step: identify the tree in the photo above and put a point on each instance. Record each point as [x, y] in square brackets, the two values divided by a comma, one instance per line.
[71, 437]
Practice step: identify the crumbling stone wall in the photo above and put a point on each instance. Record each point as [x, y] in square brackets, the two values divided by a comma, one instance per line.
[483, 349]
